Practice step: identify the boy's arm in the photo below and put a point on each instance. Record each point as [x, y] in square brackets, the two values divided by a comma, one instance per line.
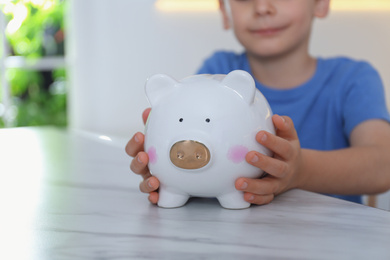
[364, 168]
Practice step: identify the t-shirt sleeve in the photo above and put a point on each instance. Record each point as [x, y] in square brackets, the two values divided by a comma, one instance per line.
[221, 62]
[208, 66]
[365, 98]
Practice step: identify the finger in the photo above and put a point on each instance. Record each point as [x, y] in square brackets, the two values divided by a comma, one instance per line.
[270, 165]
[139, 165]
[145, 114]
[284, 127]
[276, 144]
[265, 186]
[153, 197]
[258, 199]
[135, 145]
[150, 184]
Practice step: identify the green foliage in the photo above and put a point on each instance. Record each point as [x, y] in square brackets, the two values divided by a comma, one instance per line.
[35, 29]
[41, 107]
[23, 81]
[28, 20]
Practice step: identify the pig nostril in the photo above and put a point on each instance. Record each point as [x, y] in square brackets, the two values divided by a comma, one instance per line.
[198, 156]
[180, 155]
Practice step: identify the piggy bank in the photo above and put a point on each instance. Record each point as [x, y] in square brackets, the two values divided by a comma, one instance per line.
[198, 133]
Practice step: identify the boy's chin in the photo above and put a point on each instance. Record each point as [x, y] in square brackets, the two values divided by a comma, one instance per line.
[265, 54]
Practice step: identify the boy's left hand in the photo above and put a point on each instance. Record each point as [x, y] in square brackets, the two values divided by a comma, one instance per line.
[283, 168]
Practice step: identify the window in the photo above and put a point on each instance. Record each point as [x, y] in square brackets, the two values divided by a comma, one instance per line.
[32, 69]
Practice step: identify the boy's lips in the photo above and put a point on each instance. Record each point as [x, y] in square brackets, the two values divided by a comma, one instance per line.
[267, 31]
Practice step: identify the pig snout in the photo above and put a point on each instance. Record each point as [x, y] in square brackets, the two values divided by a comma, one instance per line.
[189, 154]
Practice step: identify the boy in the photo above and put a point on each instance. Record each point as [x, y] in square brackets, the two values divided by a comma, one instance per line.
[334, 136]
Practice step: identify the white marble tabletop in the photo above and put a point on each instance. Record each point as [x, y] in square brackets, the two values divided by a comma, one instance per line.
[71, 195]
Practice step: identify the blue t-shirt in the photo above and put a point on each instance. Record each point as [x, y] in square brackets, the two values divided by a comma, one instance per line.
[340, 95]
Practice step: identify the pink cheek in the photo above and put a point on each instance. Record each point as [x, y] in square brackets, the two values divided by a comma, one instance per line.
[237, 153]
[152, 155]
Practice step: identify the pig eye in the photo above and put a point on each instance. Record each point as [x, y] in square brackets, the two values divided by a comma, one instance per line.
[181, 120]
[207, 120]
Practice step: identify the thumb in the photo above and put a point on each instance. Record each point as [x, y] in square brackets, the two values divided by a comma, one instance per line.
[145, 114]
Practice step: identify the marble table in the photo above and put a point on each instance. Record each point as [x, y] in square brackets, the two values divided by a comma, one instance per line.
[70, 195]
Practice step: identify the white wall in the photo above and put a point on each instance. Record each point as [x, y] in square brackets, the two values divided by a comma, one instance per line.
[113, 46]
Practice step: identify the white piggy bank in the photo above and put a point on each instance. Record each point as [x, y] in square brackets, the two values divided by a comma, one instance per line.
[198, 133]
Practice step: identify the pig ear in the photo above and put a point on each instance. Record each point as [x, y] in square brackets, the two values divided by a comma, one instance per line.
[159, 86]
[242, 83]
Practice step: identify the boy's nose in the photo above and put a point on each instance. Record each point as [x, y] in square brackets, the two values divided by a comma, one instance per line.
[264, 7]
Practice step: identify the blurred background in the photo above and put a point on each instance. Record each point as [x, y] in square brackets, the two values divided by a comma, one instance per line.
[33, 77]
[82, 64]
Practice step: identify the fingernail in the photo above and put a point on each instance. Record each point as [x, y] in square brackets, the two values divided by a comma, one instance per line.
[136, 139]
[138, 159]
[284, 120]
[251, 198]
[264, 138]
[255, 158]
[150, 184]
[244, 185]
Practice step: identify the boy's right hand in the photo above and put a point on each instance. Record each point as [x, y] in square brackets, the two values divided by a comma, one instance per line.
[139, 164]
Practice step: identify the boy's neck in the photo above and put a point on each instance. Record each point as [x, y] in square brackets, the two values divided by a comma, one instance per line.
[285, 72]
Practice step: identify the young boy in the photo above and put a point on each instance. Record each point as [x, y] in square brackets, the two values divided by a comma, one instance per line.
[334, 135]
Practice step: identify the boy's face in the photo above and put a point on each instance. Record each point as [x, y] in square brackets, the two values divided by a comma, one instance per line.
[269, 28]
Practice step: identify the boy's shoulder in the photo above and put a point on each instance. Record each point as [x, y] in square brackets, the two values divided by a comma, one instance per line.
[345, 72]
[223, 62]
[344, 76]
[345, 65]
[226, 55]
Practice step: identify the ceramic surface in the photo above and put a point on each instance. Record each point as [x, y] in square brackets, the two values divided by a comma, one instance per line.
[198, 134]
